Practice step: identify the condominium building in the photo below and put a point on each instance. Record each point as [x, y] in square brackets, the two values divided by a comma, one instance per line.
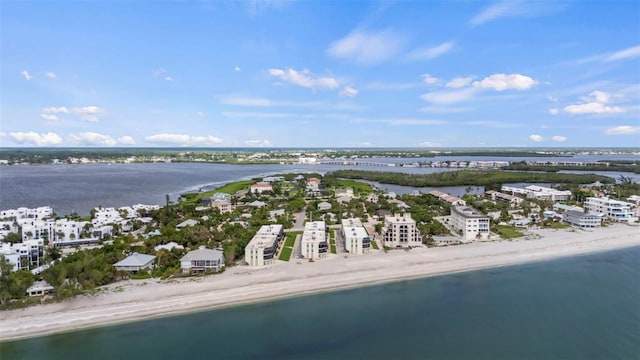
[581, 219]
[400, 230]
[615, 210]
[356, 239]
[314, 240]
[539, 192]
[262, 248]
[469, 223]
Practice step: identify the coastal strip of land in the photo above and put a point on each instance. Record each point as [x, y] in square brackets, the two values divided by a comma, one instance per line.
[144, 299]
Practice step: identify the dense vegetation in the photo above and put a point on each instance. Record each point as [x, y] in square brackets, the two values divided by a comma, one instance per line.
[523, 166]
[469, 177]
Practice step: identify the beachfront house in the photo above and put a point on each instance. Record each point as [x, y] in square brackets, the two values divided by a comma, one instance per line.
[581, 219]
[202, 260]
[314, 240]
[400, 230]
[356, 239]
[469, 223]
[135, 262]
[262, 248]
[39, 288]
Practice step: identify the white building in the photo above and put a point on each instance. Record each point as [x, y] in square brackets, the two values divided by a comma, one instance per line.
[539, 192]
[314, 240]
[582, 220]
[29, 253]
[400, 230]
[104, 216]
[262, 248]
[202, 260]
[260, 188]
[469, 223]
[135, 262]
[615, 210]
[356, 239]
[39, 288]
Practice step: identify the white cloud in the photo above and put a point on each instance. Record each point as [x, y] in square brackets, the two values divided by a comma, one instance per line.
[200, 114]
[88, 113]
[33, 138]
[183, 140]
[26, 75]
[169, 78]
[459, 82]
[429, 144]
[258, 143]
[595, 103]
[493, 124]
[559, 138]
[448, 97]
[535, 138]
[367, 47]
[502, 82]
[51, 75]
[349, 92]
[55, 110]
[159, 71]
[126, 140]
[516, 8]
[304, 78]
[237, 68]
[428, 79]
[259, 115]
[443, 109]
[553, 111]
[623, 130]
[48, 117]
[244, 101]
[92, 139]
[623, 54]
[431, 52]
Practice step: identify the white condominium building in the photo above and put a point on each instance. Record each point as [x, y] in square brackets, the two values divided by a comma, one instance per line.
[539, 192]
[261, 250]
[469, 223]
[581, 220]
[615, 210]
[356, 238]
[314, 240]
[400, 230]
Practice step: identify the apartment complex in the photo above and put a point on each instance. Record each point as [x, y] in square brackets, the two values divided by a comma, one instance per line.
[539, 192]
[469, 223]
[400, 230]
[614, 210]
[314, 240]
[356, 239]
[581, 219]
[262, 248]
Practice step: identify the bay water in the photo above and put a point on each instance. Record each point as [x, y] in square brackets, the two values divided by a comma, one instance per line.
[584, 307]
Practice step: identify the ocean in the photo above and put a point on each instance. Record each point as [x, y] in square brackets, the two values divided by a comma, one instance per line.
[584, 307]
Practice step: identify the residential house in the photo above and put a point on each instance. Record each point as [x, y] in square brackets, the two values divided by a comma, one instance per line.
[450, 199]
[260, 188]
[135, 262]
[324, 206]
[187, 223]
[39, 288]
[202, 261]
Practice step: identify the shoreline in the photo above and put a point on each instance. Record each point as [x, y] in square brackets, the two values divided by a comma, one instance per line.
[138, 300]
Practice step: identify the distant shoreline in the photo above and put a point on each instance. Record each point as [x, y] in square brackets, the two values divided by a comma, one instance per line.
[147, 299]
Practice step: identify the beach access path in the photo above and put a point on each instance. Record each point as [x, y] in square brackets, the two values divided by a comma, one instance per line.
[135, 300]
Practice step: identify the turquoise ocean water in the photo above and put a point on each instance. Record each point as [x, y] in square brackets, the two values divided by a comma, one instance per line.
[585, 307]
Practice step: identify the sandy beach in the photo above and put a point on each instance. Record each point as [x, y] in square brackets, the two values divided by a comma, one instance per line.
[143, 299]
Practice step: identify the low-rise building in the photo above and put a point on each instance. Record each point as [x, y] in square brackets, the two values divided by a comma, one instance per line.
[581, 219]
[400, 230]
[324, 206]
[356, 239]
[135, 262]
[187, 223]
[314, 243]
[202, 260]
[469, 223]
[39, 288]
[262, 248]
[260, 188]
[450, 199]
[614, 210]
[539, 192]
[512, 200]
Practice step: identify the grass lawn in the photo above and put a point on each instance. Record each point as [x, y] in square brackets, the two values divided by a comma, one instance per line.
[357, 186]
[508, 232]
[555, 225]
[332, 242]
[291, 238]
[230, 188]
[285, 254]
[374, 244]
[333, 249]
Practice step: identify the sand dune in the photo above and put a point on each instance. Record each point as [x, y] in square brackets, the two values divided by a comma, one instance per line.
[144, 299]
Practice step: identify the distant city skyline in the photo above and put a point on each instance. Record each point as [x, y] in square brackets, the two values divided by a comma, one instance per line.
[288, 74]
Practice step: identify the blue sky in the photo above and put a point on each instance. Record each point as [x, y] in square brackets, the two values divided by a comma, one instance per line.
[320, 74]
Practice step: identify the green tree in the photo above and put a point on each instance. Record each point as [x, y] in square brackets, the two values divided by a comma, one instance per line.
[13, 238]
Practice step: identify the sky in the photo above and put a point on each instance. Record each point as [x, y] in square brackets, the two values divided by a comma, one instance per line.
[418, 74]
